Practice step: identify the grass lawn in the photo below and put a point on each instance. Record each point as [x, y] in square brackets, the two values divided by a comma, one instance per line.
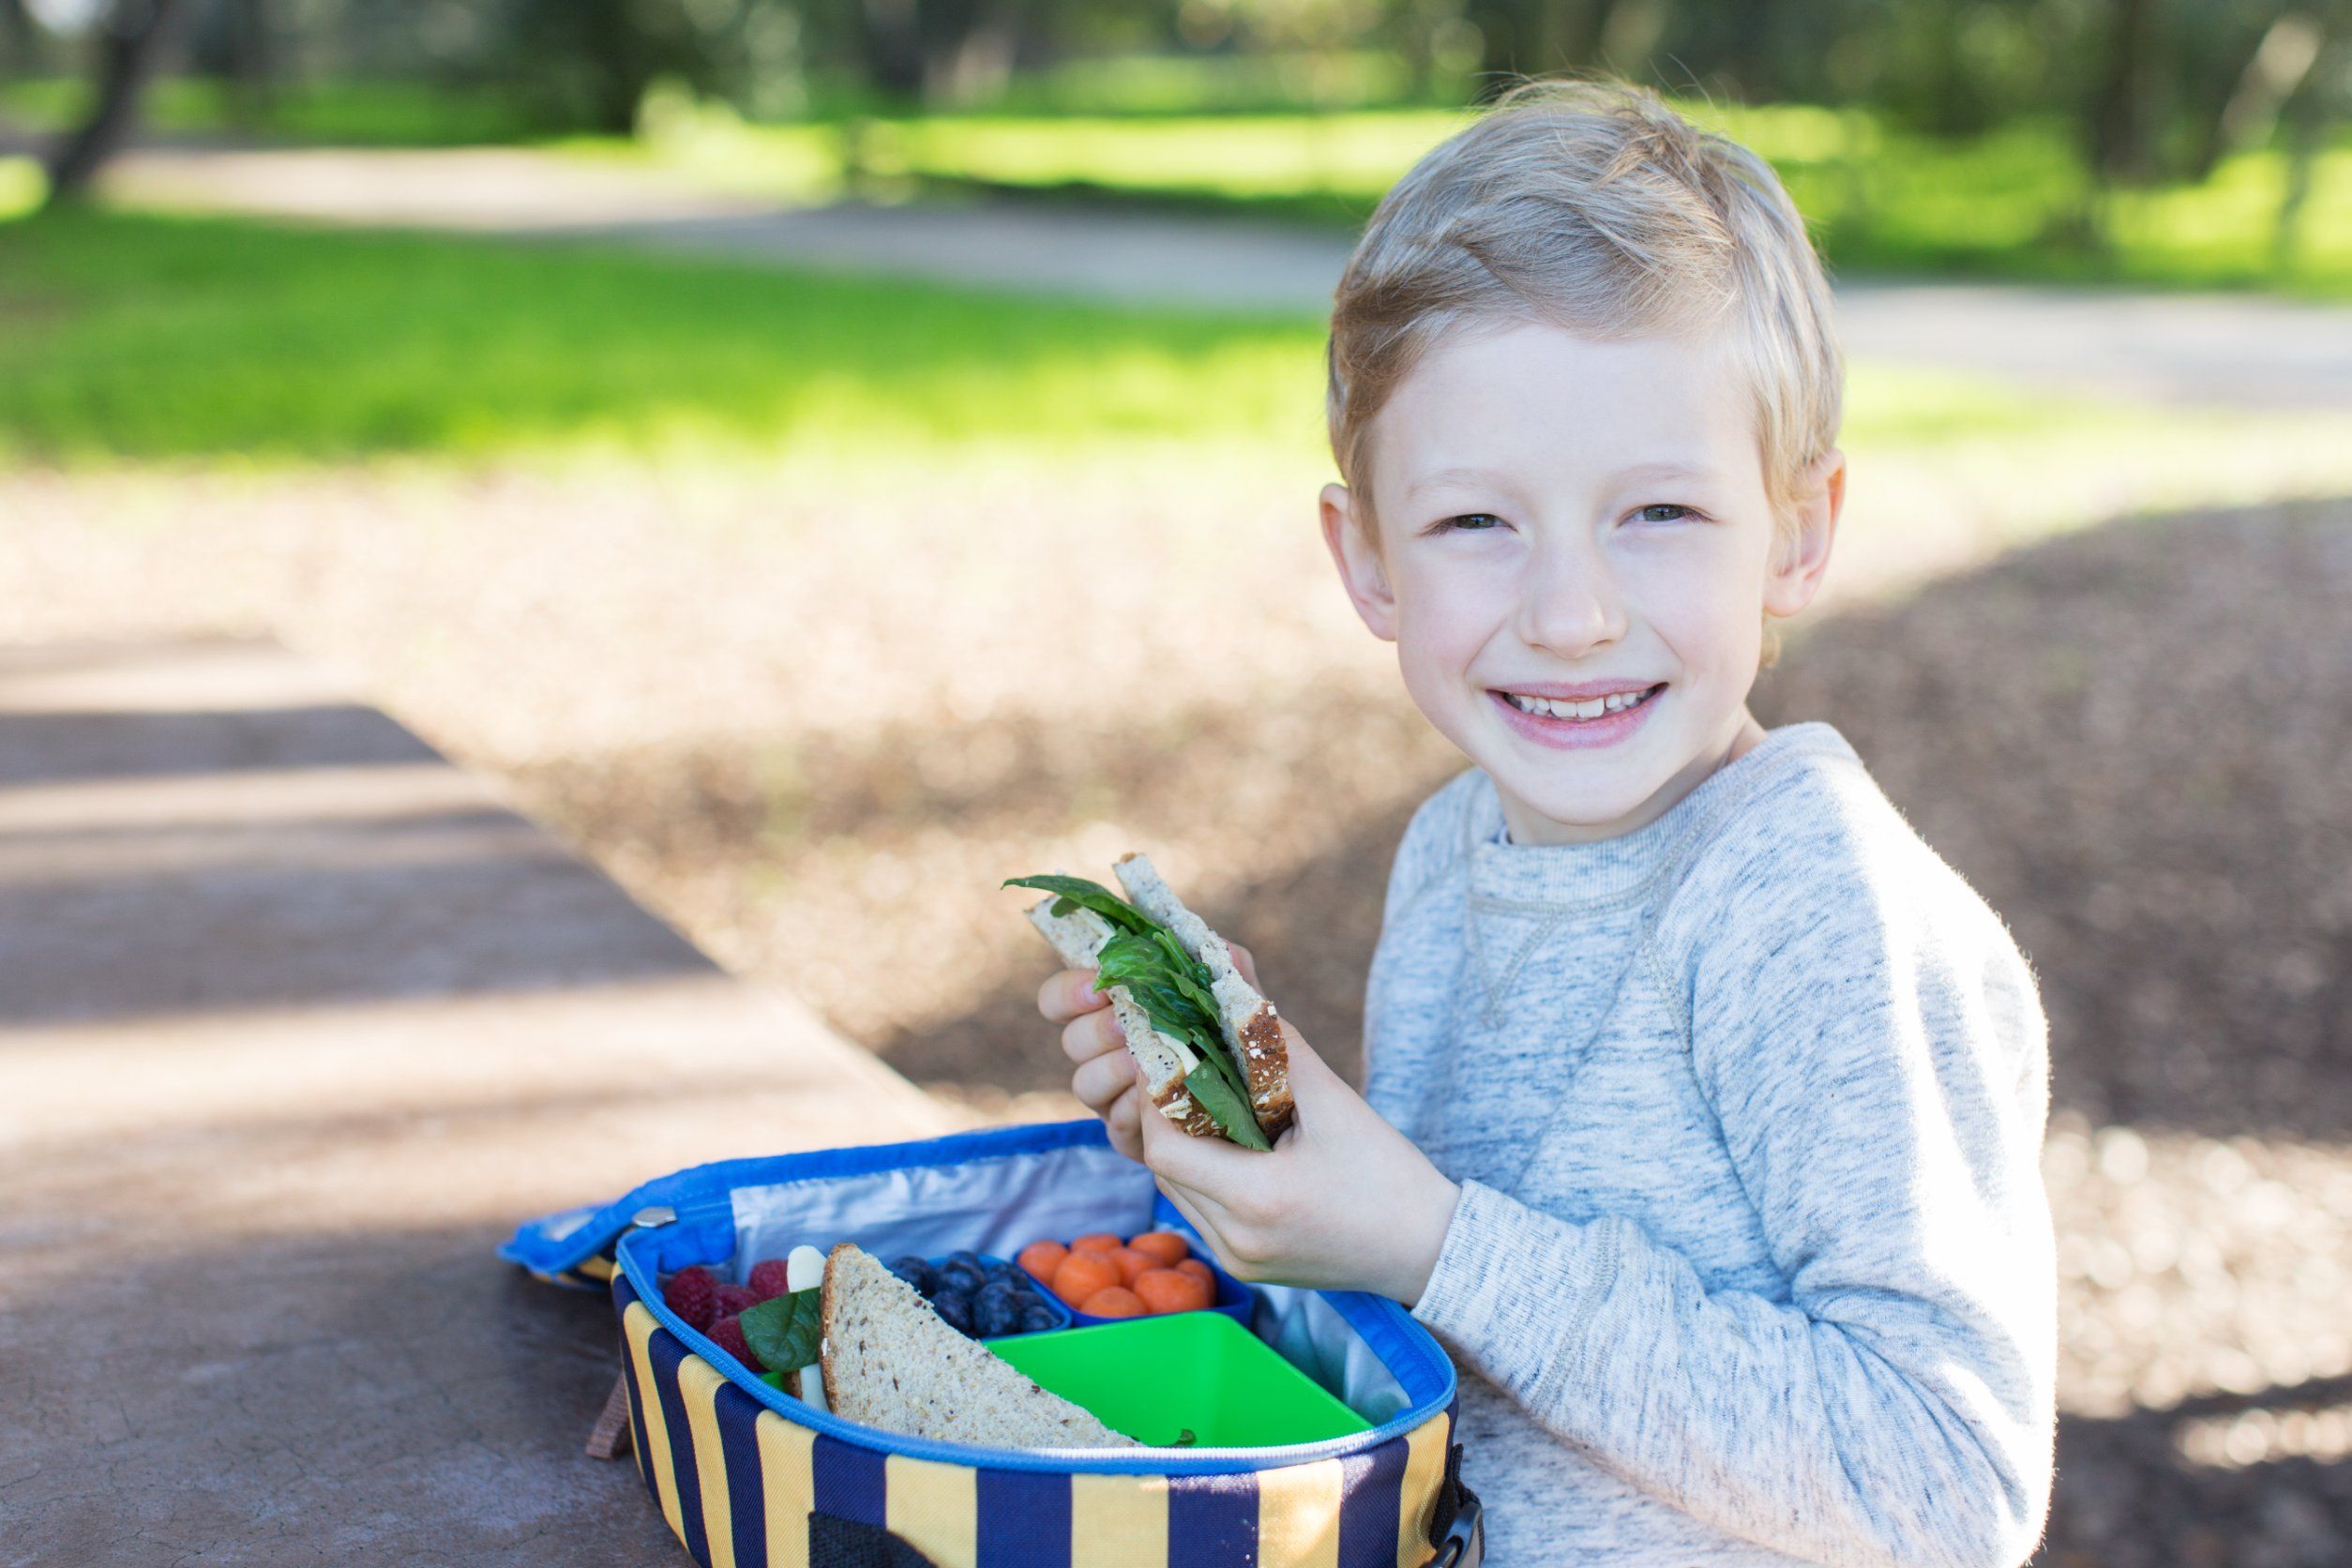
[339, 113]
[150, 338]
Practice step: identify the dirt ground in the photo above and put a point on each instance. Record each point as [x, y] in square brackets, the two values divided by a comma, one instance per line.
[2132, 740]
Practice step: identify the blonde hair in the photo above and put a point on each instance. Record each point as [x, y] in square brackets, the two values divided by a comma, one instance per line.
[1589, 205]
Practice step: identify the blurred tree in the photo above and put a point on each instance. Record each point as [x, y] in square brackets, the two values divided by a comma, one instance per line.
[943, 52]
[2318, 103]
[20, 42]
[2277, 66]
[128, 40]
[235, 42]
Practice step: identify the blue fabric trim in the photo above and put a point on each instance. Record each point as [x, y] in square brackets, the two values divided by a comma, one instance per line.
[1404, 1347]
[555, 1242]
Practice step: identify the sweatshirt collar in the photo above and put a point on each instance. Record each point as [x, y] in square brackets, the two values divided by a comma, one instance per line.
[1569, 876]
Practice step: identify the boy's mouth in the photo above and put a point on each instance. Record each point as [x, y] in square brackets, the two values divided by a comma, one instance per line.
[1588, 710]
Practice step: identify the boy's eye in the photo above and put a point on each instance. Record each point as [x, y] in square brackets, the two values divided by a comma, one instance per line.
[1470, 522]
[1679, 510]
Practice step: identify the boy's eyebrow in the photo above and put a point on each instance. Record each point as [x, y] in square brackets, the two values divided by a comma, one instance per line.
[1662, 469]
[1449, 476]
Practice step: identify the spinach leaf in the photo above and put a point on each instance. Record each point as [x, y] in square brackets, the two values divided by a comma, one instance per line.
[783, 1331]
[1077, 893]
[1226, 1104]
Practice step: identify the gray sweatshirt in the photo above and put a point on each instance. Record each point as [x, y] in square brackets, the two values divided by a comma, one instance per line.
[1753, 1262]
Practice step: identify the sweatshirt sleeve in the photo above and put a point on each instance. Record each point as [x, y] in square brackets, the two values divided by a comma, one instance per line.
[1873, 1045]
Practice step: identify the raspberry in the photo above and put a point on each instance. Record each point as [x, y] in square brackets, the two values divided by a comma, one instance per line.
[733, 1299]
[727, 1333]
[770, 1280]
[693, 1295]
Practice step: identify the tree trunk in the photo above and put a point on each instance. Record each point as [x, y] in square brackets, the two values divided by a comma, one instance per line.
[973, 64]
[2308, 117]
[2119, 127]
[253, 62]
[890, 41]
[19, 46]
[2274, 73]
[128, 48]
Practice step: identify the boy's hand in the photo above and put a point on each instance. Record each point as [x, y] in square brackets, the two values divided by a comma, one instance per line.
[1092, 1038]
[1343, 1202]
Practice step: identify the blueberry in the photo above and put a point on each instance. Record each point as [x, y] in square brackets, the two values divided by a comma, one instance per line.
[1023, 1299]
[915, 1272]
[970, 1260]
[995, 1287]
[1010, 1273]
[993, 1315]
[1038, 1319]
[954, 1309]
[956, 1276]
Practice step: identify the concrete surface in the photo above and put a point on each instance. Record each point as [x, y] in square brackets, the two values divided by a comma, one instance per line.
[2176, 348]
[297, 1020]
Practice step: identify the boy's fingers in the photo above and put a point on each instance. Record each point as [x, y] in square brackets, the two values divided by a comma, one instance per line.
[1207, 1165]
[1123, 1121]
[1100, 1081]
[1068, 994]
[1093, 1035]
[1192, 1211]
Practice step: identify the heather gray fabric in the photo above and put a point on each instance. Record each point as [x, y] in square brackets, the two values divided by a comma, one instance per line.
[1753, 1262]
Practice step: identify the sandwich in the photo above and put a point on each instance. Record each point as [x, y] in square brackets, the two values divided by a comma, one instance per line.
[891, 1362]
[1208, 1048]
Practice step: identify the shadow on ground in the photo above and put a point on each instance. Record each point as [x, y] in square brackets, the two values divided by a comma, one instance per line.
[281, 1379]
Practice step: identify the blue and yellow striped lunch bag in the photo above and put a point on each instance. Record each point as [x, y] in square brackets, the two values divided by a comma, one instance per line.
[745, 1475]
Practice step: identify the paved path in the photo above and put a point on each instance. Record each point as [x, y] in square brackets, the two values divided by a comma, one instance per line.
[2188, 349]
[297, 1020]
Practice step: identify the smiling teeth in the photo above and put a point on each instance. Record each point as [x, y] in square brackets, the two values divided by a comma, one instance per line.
[1592, 707]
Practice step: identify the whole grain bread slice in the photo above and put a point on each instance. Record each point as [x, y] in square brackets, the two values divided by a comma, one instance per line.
[1250, 1023]
[891, 1362]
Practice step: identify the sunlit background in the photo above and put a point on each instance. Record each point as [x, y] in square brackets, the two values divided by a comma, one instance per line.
[824, 457]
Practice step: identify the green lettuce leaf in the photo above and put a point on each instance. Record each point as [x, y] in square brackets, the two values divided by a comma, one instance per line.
[1226, 1104]
[783, 1331]
[1077, 893]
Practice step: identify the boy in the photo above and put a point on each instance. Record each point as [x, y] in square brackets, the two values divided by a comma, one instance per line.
[1705, 1101]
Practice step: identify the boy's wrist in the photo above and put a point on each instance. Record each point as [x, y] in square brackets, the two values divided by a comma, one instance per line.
[1423, 1237]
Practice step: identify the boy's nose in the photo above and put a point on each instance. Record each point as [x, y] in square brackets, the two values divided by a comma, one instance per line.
[1570, 602]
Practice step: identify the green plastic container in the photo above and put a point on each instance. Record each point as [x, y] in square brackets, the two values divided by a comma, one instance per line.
[1155, 1379]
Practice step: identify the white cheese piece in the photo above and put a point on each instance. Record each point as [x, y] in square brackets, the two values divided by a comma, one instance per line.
[804, 1269]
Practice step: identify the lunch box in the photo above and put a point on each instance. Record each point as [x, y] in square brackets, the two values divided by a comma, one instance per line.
[745, 1474]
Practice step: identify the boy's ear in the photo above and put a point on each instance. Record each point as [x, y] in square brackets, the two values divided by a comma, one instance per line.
[1361, 569]
[1800, 556]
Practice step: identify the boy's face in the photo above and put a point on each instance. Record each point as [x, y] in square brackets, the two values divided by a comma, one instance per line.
[1563, 517]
